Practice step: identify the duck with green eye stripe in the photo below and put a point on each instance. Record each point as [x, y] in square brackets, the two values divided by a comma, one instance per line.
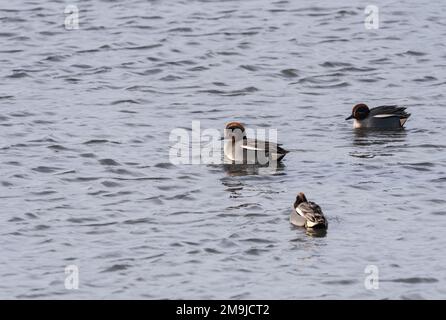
[240, 149]
[382, 117]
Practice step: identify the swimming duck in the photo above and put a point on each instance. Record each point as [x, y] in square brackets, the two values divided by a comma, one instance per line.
[383, 117]
[241, 150]
[307, 214]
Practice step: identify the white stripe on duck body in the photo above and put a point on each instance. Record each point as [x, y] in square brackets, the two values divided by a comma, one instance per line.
[382, 117]
[242, 150]
[307, 214]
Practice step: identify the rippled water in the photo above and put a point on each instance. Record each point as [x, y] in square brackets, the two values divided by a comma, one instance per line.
[84, 138]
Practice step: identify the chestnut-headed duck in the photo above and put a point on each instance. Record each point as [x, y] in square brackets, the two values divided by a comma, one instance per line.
[383, 117]
[241, 150]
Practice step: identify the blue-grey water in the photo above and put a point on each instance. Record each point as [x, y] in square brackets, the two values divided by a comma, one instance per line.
[85, 177]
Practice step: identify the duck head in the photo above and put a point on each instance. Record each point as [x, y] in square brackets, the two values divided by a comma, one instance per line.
[359, 112]
[235, 130]
[299, 199]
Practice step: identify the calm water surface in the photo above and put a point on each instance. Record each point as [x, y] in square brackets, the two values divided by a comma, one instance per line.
[85, 177]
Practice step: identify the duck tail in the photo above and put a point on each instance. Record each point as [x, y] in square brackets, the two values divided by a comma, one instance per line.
[403, 119]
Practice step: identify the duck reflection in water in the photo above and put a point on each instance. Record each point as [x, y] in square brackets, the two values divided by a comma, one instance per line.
[316, 233]
[236, 170]
[235, 185]
[367, 137]
[377, 142]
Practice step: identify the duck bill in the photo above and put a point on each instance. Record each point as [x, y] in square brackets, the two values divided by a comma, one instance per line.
[349, 117]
